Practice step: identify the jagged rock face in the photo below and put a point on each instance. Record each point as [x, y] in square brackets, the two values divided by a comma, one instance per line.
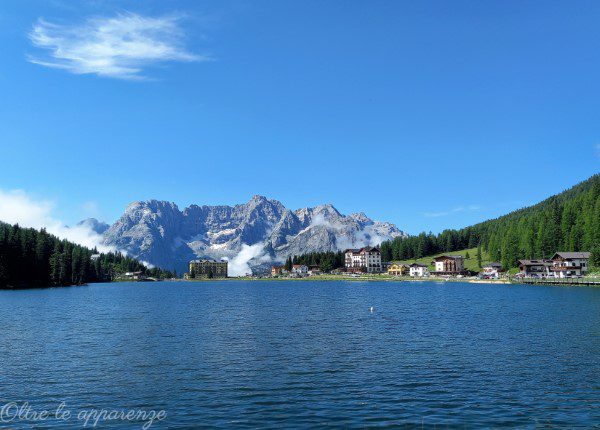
[159, 233]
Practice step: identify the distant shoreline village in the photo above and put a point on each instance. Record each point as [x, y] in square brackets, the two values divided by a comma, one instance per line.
[366, 262]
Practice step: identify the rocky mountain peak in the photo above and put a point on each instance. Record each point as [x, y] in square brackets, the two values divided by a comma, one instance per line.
[258, 198]
[361, 217]
[159, 233]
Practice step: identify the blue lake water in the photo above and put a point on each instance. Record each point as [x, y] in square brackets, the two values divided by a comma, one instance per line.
[305, 354]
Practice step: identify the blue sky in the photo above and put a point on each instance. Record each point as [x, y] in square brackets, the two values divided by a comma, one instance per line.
[428, 114]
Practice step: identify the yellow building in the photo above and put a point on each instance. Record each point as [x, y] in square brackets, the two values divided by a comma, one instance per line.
[207, 269]
[398, 269]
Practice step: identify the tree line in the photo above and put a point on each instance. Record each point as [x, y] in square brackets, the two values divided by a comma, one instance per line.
[31, 258]
[326, 261]
[569, 221]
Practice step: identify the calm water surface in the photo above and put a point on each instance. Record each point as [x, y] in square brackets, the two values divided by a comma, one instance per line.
[307, 354]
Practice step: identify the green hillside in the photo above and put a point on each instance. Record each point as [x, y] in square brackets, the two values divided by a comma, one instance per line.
[569, 221]
[469, 254]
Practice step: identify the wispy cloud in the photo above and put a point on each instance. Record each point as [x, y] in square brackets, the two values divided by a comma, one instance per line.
[116, 47]
[455, 210]
[17, 207]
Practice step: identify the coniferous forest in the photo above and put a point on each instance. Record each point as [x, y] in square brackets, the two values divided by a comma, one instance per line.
[32, 258]
[569, 221]
[325, 260]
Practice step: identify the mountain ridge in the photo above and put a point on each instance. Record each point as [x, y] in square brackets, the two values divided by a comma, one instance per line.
[250, 235]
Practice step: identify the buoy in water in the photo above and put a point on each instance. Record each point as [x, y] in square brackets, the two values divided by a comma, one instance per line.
[371, 309]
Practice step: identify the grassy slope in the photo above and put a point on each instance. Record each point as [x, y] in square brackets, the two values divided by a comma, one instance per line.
[470, 264]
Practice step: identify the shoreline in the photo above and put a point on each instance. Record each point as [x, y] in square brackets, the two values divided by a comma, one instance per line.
[593, 282]
[384, 278]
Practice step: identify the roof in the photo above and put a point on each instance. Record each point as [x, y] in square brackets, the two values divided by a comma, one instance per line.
[369, 249]
[298, 265]
[535, 262]
[361, 250]
[493, 264]
[417, 265]
[446, 257]
[568, 255]
[208, 261]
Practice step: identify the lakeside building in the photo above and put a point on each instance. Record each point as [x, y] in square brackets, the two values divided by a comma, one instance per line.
[398, 269]
[134, 276]
[492, 270]
[367, 259]
[418, 270]
[314, 271]
[534, 268]
[278, 271]
[300, 270]
[568, 264]
[449, 265]
[207, 269]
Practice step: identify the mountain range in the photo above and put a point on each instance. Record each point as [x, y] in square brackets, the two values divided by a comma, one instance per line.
[251, 235]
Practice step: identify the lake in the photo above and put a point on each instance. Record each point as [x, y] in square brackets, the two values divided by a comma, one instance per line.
[302, 354]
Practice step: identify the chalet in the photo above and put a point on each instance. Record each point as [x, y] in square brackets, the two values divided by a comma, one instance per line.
[398, 269]
[449, 265]
[569, 264]
[367, 259]
[418, 270]
[534, 268]
[492, 270]
[300, 270]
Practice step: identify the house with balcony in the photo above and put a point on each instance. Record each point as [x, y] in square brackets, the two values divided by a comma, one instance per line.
[569, 264]
[535, 268]
[418, 270]
[367, 259]
[451, 265]
[492, 270]
[398, 269]
[300, 270]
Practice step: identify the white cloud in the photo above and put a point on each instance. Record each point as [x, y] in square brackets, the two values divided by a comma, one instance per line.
[452, 211]
[368, 236]
[239, 265]
[116, 47]
[16, 207]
